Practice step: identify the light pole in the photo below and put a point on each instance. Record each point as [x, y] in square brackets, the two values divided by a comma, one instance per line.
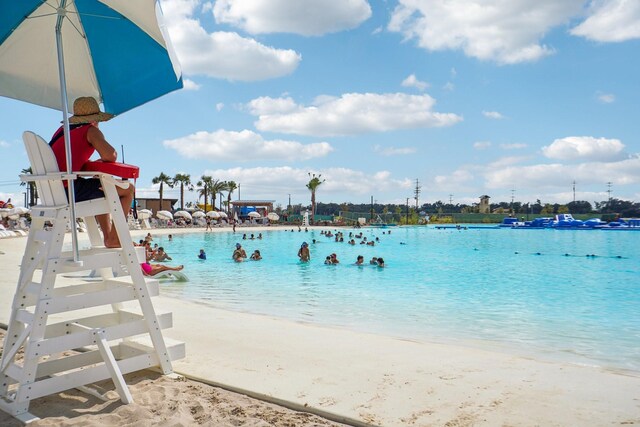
[407, 213]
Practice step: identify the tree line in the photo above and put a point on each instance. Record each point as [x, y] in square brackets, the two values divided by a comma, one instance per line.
[207, 189]
[623, 208]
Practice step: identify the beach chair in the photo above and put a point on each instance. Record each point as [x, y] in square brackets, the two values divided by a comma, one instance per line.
[44, 321]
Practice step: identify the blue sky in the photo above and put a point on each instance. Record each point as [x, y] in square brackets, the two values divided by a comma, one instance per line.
[470, 97]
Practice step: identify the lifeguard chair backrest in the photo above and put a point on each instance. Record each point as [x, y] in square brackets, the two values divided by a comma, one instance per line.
[43, 161]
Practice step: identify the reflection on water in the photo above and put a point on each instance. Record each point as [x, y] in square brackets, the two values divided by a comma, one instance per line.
[535, 290]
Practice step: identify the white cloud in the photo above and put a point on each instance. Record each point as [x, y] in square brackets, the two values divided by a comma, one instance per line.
[190, 85]
[506, 161]
[493, 115]
[507, 32]
[456, 179]
[611, 21]
[4, 144]
[393, 151]
[539, 180]
[412, 81]
[481, 145]
[244, 146]
[219, 106]
[584, 147]
[224, 55]
[305, 17]
[556, 175]
[606, 98]
[514, 146]
[350, 114]
[341, 183]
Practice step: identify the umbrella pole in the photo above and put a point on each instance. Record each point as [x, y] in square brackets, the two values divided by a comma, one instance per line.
[67, 132]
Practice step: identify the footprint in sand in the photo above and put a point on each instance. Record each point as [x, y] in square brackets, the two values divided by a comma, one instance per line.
[327, 401]
[449, 377]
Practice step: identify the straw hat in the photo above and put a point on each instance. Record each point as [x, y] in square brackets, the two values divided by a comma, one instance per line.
[86, 110]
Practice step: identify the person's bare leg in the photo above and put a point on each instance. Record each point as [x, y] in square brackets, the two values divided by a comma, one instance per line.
[109, 236]
[158, 268]
[126, 197]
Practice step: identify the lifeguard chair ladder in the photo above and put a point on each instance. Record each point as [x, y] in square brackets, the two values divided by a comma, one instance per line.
[44, 321]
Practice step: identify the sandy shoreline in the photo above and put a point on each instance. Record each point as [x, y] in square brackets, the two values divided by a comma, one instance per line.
[376, 379]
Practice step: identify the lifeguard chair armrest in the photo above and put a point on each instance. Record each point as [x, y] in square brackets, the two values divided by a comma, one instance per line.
[122, 170]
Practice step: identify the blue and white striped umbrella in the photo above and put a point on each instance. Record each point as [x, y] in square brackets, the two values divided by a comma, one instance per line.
[114, 50]
[55, 51]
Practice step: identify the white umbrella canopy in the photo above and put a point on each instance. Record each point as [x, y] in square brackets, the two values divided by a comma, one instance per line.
[213, 214]
[198, 214]
[222, 214]
[144, 214]
[272, 216]
[4, 212]
[166, 215]
[19, 210]
[254, 214]
[14, 213]
[182, 214]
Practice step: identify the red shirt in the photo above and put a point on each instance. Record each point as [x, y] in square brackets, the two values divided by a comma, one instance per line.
[81, 150]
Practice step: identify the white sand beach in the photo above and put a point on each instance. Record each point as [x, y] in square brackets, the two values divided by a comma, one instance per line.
[354, 376]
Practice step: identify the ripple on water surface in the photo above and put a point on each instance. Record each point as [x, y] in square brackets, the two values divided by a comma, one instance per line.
[536, 291]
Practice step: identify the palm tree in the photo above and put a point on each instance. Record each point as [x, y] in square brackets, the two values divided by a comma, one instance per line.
[31, 189]
[217, 186]
[231, 187]
[162, 179]
[313, 185]
[205, 185]
[185, 181]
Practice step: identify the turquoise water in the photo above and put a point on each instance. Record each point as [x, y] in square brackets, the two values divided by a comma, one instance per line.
[535, 292]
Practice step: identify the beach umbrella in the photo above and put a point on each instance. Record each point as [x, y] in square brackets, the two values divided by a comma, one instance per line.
[222, 214]
[53, 51]
[144, 214]
[213, 214]
[183, 214]
[166, 215]
[254, 214]
[198, 214]
[272, 216]
[4, 212]
[14, 213]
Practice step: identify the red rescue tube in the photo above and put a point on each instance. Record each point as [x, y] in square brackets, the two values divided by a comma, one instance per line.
[122, 170]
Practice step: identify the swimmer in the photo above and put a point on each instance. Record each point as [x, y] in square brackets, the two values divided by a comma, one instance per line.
[303, 252]
[374, 261]
[153, 269]
[239, 254]
[360, 260]
[255, 256]
[380, 262]
[202, 254]
[327, 260]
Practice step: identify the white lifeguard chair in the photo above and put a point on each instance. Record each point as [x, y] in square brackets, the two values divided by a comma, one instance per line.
[45, 323]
